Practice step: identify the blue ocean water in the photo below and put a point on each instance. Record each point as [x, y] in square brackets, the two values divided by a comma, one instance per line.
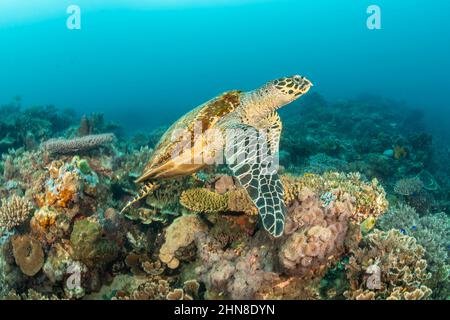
[144, 63]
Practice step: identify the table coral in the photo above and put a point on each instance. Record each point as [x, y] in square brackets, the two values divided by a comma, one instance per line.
[14, 211]
[28, 254]
[401, 262]
[180, 234]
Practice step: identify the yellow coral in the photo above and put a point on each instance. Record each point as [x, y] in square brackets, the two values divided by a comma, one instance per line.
[203, 200]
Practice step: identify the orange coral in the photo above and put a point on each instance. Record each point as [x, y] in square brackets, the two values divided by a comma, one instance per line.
[64, 191]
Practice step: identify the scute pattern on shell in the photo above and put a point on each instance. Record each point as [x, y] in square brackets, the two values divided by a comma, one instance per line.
[206, 115]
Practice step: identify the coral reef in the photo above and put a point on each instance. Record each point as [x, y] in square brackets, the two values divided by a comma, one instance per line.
[199, 237]
[433, 233]
[401, 266]
[232, 273]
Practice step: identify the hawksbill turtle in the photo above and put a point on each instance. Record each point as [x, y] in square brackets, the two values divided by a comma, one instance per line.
[243, 128]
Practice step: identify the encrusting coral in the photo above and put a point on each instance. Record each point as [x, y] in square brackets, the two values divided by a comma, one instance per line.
[14, 211]
[402, 268]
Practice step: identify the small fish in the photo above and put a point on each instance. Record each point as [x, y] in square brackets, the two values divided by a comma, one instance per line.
[403, 231]
[368, 224]
[413, 228]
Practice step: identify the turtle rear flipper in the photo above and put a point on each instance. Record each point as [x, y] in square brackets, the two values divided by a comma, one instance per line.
[249, 158]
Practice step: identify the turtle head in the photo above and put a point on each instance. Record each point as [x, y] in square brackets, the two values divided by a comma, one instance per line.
[289, 89]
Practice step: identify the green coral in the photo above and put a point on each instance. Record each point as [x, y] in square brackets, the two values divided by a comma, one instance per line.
[89, 244]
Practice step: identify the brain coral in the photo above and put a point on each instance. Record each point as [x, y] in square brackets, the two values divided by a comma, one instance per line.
[28, 254]
[180, 234]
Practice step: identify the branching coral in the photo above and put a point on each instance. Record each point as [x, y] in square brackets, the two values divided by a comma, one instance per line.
[77, 145]
[401, 263]
[180, 234]
[408, 186]
[28, 254]
[14, 212]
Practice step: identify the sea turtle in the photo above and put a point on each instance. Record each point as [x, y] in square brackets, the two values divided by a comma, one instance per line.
[242, 127]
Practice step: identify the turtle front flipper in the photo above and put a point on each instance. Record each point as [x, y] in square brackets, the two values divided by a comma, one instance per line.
[249, 157]
[144, 191]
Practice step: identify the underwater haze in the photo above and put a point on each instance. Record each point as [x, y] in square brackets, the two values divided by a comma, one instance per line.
[146, 62]
[316, 166]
